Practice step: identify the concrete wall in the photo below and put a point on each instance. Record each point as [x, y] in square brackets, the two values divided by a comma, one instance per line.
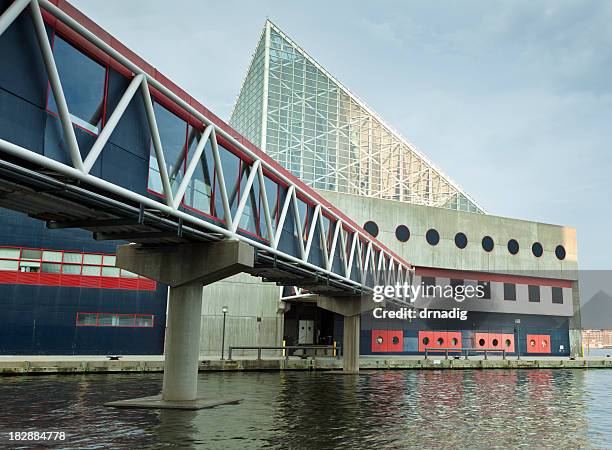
[388, 214]
[253, 318]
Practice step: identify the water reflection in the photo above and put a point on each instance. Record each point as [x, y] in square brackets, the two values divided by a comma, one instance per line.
[493, 408]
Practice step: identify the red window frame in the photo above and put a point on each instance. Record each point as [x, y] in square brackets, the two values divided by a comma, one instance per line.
[97, 324]
[62, 278]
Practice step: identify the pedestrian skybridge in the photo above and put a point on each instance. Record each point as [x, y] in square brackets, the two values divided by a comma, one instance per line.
[93, 137]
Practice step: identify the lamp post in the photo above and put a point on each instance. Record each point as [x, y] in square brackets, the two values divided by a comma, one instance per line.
[518, 338]
[224, 310]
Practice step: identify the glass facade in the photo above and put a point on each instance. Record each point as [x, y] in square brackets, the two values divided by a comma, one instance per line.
[306, 120]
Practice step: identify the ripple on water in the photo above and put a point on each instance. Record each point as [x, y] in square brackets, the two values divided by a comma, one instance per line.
[433, 409]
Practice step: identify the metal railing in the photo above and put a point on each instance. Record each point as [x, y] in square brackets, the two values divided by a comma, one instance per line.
[336, 350]
[465, 350]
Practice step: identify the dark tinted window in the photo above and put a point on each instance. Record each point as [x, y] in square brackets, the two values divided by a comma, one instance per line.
[432, 236]
[371, 228]
[199, 192]
[537, 249]
[461, 240]
[487, 243]
[510, 291]
[557, 295]
[173, 136]
[486, 288]
[513, 246]
[230, 164]
[456, 285]
[428, 281]
[560, 252]
[402, 233]
[83, 82]
[534, 293]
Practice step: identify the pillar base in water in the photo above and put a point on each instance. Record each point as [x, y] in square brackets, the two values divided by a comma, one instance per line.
[156, 402]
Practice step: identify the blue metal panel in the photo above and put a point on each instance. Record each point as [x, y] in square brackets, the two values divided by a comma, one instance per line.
[21, 122]
[23, 72]
[124, 169]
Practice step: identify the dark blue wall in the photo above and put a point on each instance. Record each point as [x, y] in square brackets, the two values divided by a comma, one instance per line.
[41, 319]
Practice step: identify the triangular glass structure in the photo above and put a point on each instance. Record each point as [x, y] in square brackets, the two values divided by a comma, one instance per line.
[304, 118]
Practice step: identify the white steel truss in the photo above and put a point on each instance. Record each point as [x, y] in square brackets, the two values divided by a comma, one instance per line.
[303, 117]
[360, 254]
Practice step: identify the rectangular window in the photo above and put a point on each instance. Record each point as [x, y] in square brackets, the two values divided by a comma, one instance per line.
[485, 287]
[73, 257]
[109, 260]
[510, 292]
[51, 268]
[428, 281]
[143, 321]
[83, 81]
[92, 271]
[86, 319]
[106, 320]
[557, 295]
[92, 259]
[71, 264]
[30, 254]
[534, 293]
[51, 256]
[71, 269]
[29, 266]
[10, 253]
[110, 271]
[6, 264]
[173, 137]
[115, 320]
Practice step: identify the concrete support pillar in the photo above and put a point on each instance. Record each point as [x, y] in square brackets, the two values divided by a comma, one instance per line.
[183, 342]
[350, 347]
[186, 269]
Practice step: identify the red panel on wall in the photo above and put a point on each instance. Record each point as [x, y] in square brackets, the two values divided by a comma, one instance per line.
[395, 341]
[497, 341]
[379, 341]
[433, 340]
[56, 279]
[392, 341]
[538, 343]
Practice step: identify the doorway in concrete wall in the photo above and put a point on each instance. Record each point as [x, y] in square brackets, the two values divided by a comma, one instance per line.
[306, 324]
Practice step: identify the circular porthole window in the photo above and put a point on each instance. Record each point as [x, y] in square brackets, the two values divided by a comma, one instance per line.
[371, 228]
[508, 343]
[560, 252]
[461, 240]
[425, 340]
[532, 343]
[395, 340]
[481, 342]
[513, 246]
[537, 249]
[454, 341]
[495, 342]
[544, 343]
[487, 243]
[432, 236]
[402, 233]
[379, 339]
[440, 341]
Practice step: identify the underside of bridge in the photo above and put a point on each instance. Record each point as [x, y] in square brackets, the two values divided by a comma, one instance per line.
[182, 257]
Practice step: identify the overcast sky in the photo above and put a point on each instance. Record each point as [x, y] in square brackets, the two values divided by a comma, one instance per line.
[513, 99]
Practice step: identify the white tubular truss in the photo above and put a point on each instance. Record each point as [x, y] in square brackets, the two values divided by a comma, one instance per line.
[360, 256]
